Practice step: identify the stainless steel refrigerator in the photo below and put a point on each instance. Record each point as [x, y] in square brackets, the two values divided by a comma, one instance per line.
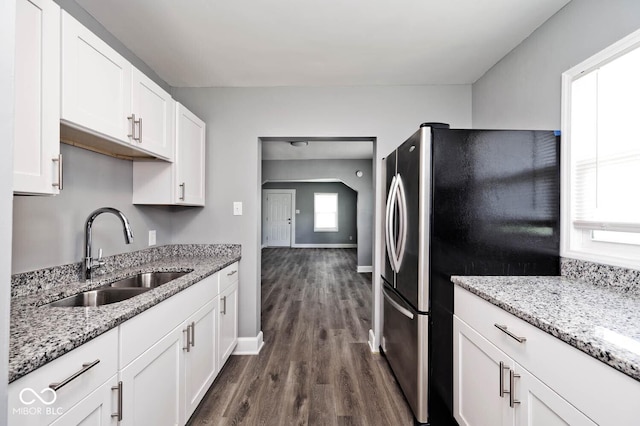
[459, 202]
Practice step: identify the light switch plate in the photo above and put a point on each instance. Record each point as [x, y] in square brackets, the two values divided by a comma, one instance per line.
[297, 211]
[152, 237]
[237, 208]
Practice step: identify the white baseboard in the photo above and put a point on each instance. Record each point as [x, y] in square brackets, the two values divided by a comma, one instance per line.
[249, 345]
[372, 339]
[364, 269]
[324, 245]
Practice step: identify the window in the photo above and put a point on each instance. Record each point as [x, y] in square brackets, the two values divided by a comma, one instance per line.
[325, 212]
[601, 156]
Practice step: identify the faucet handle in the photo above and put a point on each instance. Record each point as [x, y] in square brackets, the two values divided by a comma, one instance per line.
[99, 255]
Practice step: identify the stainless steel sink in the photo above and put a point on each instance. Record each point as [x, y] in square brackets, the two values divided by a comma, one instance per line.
[148, 280]
[98, 297]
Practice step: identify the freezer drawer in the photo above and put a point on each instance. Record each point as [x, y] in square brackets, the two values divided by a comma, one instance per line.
[405, 346]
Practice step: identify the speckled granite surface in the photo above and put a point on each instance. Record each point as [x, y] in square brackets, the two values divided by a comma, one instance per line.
[619, 279]
[39, 334]
[599, 320]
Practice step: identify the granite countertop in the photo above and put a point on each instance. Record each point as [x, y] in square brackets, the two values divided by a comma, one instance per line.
[602, 321]
[39, 334]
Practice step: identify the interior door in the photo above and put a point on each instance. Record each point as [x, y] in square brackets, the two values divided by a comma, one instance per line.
[278, 219]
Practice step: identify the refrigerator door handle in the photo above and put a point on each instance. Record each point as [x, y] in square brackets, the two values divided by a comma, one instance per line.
[404, 311]
[402, 240]
[389, 235]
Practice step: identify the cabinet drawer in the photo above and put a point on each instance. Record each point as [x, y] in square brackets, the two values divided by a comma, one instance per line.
[30, 409]
[142, 331]
[593, 387]
[228, 276]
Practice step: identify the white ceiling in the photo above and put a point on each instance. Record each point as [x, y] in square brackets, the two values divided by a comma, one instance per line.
[318, 150]
[216, 43]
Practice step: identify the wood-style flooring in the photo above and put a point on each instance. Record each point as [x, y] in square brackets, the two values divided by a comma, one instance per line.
[315, 367]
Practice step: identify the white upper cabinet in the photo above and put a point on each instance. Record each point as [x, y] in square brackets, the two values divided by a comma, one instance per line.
[190, 161]
[36, 163]
[96, 83]
[107, 104]
[154, 112]
[183, 181]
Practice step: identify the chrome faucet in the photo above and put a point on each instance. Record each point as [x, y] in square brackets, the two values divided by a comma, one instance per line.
[89, 263]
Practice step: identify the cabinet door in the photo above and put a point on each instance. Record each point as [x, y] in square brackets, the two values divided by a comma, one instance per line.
[476, 379]
[200, 361]
[96, 83]
[97, 409]
[190, 160]
[153, 389]
[37, 100]
[155, 115]
[228, 323]
[541, 406]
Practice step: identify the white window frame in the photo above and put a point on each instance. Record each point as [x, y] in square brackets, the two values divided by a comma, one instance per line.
[332, 229]
[576, 242]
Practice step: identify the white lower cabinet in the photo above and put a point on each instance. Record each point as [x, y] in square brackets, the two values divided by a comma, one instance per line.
[201, 364]
[550, 382]
[492, 389]
[97, 409]
[152, 384]
[228, 335]
[154, 369]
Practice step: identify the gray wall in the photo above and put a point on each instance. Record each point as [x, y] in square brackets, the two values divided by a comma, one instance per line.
[344, 170]
[7, 48]
[347, 212]
[523, 89]
[49, 231]
[237, 117]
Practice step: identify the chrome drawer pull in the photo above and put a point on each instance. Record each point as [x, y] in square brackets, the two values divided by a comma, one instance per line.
[193, 333]
[232, 273]
[85, 367]
[502, 368]
[59, 184]
[119, 389]
[188, 347]
[503, 328]
[512, 391]
[224, 305]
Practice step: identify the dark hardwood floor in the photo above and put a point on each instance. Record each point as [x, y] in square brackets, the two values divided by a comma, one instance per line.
[315, 367]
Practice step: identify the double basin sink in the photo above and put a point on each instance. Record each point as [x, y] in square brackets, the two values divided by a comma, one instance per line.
[118, 291]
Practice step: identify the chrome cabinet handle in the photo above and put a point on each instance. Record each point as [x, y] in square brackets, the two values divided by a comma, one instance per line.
[133, 120]
[188, 347]
[59, 184]
[140, 129]
[193, 333]
[85, 367]
[224, 305]
[504, 329]
[232, 273]
[118, 414]
[512, 391]
[502, 368]
[183, 190]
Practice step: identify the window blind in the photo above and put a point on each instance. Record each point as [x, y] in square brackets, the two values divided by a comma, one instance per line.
[605, 147]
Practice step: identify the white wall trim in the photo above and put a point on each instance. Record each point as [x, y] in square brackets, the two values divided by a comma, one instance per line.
[249, 345]
[365, 269]
[324, 246]
[372, 343]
